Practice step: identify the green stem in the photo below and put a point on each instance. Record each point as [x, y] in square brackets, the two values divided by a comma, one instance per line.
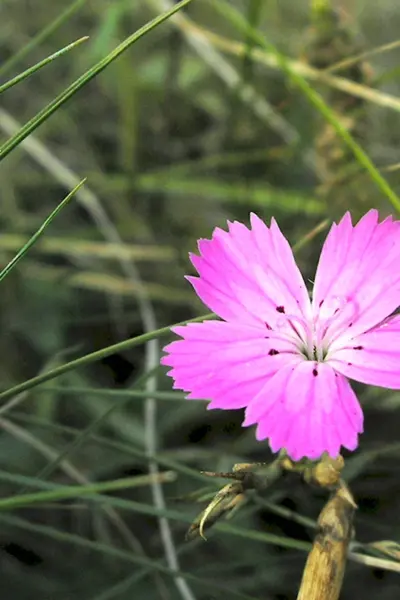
[95, 356]
[42, 36]
[234, 16]
[48, 110]
[39, 232]
[39, 65]
[77, 491]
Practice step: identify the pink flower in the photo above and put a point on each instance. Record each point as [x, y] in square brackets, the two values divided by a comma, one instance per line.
[284, 358]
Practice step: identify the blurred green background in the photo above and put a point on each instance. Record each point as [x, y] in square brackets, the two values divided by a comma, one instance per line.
[195, 124]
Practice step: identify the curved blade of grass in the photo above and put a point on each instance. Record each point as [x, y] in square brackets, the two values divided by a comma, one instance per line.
[82, 248]
[310, 235]
[43, 35]
[50, 489]
[125, 584]
[89, 430]
[117, 553]
[70, 538]
[57, 493]
[114, 393]
[46, 112]
[177, 467]
[39, 65]
[94, 356]
[235, 17]
[102, 282]
[122, 587]
[254, 194]
[123, 447]
[231, 77]
[269, 59]
[254, 14]
[131, 505]
[78, 491]
[39, 232]
[368, 54]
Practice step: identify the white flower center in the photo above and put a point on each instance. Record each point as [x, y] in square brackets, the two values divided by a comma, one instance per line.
[314, 335]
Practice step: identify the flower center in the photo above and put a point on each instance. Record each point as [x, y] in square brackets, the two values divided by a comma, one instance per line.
[313, 336]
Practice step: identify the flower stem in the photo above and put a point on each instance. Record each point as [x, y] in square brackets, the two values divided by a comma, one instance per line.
[93, 357]
[325, 566]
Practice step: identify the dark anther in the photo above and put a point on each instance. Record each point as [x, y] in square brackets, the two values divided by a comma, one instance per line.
[358, 347]
[280, 309]
[273, 352]
[321, 303]
[268, 326]
[315, 372]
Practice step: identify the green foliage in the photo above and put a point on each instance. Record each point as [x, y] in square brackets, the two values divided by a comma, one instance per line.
[178, 116]
[8, 268]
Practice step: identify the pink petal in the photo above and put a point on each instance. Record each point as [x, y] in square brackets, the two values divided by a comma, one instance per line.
[287, 265]
[223, 332]
[226, 363]
[308, 409]
[358, 278]
[372, 357]
[250, 276]
[270, 397]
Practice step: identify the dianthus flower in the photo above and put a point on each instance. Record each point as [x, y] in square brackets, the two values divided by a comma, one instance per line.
[285, 358]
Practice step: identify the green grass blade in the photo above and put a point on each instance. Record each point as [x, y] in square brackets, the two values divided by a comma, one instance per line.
[254, 15]
[39, 232]
[254, 194]
[78, 491]
[95, 356]
[43, 35]
[117, 553]
[28, 72]
[121, 587]
[113, 393]
[234, 17]
[44, 114]
[125, 448]
[50, 489]
[88, 431]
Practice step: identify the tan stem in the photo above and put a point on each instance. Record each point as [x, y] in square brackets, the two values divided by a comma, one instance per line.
[326, 562]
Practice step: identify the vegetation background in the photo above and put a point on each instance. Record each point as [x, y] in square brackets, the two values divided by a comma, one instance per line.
[198, 122]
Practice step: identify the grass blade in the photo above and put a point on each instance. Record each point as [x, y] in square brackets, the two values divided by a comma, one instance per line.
[39, 65]
[42, 36]
[234, 16]
[111, 551]
[39, 232]
[78, 491]
[51, 489]
[44, 114]
[167, 396]
[94, 356]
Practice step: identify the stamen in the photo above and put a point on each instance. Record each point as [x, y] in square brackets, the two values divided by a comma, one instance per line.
[331, 320]
[300, 327]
